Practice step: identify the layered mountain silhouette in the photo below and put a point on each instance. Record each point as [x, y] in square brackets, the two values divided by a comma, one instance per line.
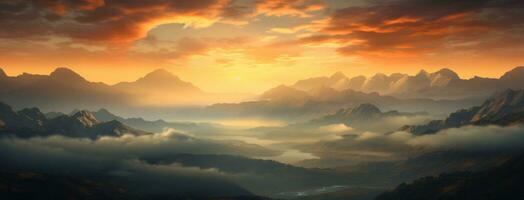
[364, 113]
[31, 122]
[442, 84]
[504, 108]
[289, 102]
[502, 182]
[64, 90]
[156, 126]
[159, 80]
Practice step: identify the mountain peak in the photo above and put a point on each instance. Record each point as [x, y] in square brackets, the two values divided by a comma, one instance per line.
[103, 110]
[338, 75]
[160, 74]
[2, 73]
[105, 115]
[379, 76]
[516, 73]
[366, 108]
[422, 73]
[86, 118]
[447, 73]
[65, 74]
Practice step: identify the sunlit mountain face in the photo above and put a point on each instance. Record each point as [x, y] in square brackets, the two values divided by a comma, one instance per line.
[261, 99]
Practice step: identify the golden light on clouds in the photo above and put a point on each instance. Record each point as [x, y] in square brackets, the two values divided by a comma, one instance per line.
[249, 46]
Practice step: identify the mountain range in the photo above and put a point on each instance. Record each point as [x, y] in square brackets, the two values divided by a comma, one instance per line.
[65, 90]
[155, 126]
[288, 102]
[442, 84]
[503, 108]
[31, 122]
[364, 113]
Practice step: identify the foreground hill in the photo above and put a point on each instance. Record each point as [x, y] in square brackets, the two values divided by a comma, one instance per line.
[503, 182]
[504, 108]
[24, 185]
[258, 175]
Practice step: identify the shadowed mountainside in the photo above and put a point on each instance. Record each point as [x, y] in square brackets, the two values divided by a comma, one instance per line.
[364, 113]
[504, 108]
[31, 122]
[40, 185]
[502, 182]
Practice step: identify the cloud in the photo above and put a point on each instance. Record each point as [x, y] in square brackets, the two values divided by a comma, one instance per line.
[373, 146]
[57, 155]
[299, 8]
[157, 164]
[142, 147]
[240, 12]
[409, 28]
[160, 50]
[98, 20]
[337, 128]
[474, 138]
[127, 21]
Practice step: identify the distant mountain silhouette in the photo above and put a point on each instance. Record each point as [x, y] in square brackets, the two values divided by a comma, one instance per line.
[64, 90]
[337, 78]
[442, 84]
[363, 113]
[158, 80]
[502, 182]
[31, 122]
[286, 101]
[504, 108]
[156, 126]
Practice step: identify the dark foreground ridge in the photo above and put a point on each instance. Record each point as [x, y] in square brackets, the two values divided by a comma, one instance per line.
[503, 182]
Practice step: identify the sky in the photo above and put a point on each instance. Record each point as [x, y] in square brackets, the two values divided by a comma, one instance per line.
[252, 45]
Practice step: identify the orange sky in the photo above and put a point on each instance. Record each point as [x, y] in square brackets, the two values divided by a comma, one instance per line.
[249, 46]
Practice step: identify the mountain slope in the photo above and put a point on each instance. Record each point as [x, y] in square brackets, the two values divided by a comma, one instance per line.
[31, 122]
[504, 108]
[28, 185]
[155, 126]
[503, 182]
[158, 80]
[363, 113]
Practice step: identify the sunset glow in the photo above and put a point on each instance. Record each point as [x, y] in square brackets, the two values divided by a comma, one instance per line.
[249, 46]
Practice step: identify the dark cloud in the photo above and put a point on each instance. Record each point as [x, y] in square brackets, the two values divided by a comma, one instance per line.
[240, 11]
[404, 28]
[125, 21]
[99, 20]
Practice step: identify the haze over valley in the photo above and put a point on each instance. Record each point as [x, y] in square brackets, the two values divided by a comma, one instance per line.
[261, 99]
